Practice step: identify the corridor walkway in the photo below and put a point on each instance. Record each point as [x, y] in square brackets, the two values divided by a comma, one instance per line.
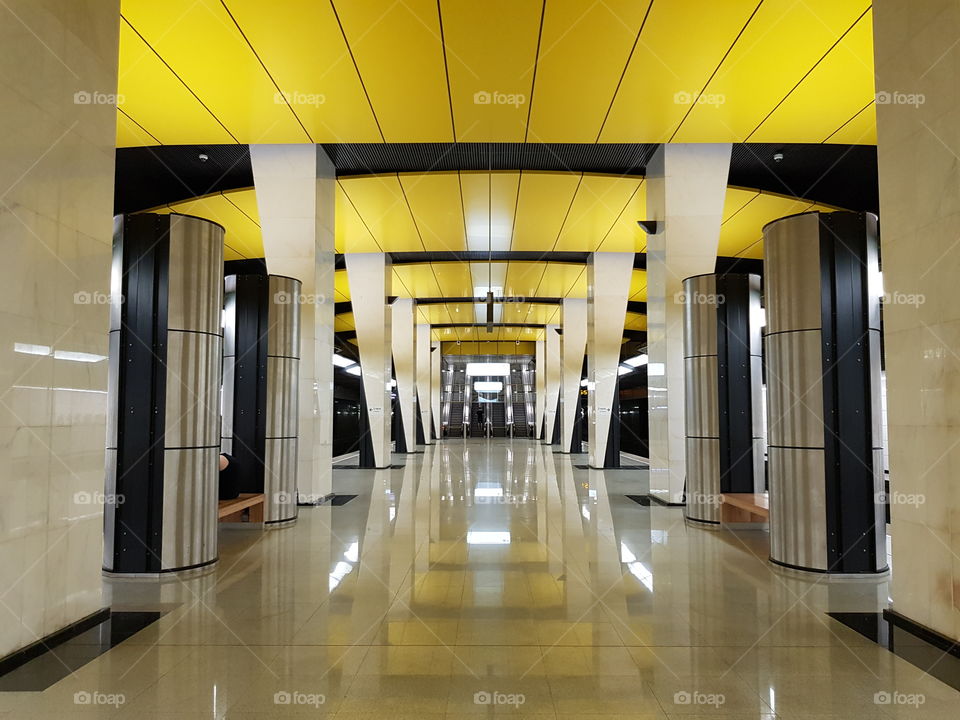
[487, 578]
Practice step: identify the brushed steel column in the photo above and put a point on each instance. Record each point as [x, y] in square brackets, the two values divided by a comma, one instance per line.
[823, 386]
[282, 418]
[723, 384]
[163, 435]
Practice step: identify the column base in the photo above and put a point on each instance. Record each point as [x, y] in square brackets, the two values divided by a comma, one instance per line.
[818, 572]
[179, 573]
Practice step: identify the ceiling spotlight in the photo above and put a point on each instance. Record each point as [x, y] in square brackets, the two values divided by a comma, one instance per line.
[650, 227]
[203, 157]
[778, 157]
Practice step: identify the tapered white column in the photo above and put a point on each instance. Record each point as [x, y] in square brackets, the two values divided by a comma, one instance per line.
[541, 387]
[551, 351]
[423, 381]
[608, 288]
[369, 278]
[573, 344]
[296, 187]
[404, 367]
[436, 362]
[686, 186]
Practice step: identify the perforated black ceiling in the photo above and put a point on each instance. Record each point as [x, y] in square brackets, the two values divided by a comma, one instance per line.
[841, 175]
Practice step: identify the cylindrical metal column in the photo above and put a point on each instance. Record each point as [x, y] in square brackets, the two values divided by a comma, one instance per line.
[282, 420]
[823, 387]
[163, 425]
[723, 382]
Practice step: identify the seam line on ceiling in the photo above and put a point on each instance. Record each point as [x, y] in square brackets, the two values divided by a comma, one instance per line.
[717, 69]
[269, 74]
[847, 122]
[446, 72]
[127, 115]
[182, 81]
[356, 67]
[807, 74]
[225, 197]
[536, 63]
[623, 74]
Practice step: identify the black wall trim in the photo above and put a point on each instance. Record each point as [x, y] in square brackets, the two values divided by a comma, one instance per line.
[45, 644]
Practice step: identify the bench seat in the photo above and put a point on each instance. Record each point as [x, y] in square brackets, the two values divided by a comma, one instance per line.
[744, 508]
[233, 510]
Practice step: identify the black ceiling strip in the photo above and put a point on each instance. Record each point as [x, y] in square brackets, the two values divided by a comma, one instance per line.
[715, 71]
[635, 306]
[441, 326]
[182, 81]
[269, 74]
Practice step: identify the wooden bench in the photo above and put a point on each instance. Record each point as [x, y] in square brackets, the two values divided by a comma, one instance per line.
[744, 508]
[233, 510]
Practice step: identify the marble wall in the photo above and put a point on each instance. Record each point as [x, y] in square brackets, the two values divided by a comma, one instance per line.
[58, 75]
[917, 62]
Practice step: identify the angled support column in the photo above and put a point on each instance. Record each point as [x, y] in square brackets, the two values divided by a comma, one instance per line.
[573, 345]
[686, 186]
[296, 187]
[423, 381]
[608, 288]
[541, 386]
[404, 366]
[436, 362]
[369, 278]
[551, 351]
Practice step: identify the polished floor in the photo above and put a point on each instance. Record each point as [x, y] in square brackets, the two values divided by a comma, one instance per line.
[489, 578]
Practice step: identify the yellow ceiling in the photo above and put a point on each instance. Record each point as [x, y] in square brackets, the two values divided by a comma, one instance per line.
[530, 211]
[248, 71]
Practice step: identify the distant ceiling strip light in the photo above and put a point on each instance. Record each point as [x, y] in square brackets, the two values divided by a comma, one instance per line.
[488, 369]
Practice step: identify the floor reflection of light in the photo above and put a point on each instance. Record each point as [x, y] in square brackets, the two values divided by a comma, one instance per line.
[340, 571]
[625, 554]
[585, 512]
[773, 699]
[488, 537]
[393, 513]
[488, 492]
[353, 552]
[641, 573]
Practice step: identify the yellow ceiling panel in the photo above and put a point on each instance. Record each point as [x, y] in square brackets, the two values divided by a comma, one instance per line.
[859, 129]
[735, 199]
[398, 51]
[680, 46]
[635, 321]
[350, 234]
[380, 202]
[744, 228]
[489, 202]
[626, 235]
[523, 279]
[563, 280]
[342, 322]
[600, 200]
[638, 285]
[583, 51]
[415, 281]
[781, 44]
[434, 199]
[341, 285]
[491, 52]
[541, 207]
[200, 42]
[246, 202]
[830, 95]
[454, 278]
[434, 314]
[242, 235]
[157, 101]
[306, 54]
